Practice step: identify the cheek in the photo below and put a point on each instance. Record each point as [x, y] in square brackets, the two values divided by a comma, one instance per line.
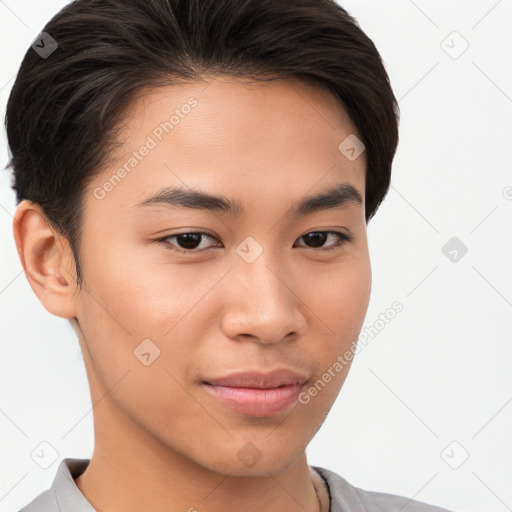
[132, 309]
[141, 369]
[144, 295]
[338, 301]
[339, 296]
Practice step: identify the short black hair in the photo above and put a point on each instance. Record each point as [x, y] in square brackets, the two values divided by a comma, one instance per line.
[64, 111]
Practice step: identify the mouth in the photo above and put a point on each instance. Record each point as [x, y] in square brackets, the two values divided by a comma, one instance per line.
[256, 393]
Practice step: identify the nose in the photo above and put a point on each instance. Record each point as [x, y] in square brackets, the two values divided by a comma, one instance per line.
[261, 305]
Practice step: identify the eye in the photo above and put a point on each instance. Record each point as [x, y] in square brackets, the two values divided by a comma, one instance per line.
[319, 238]
[190, 242]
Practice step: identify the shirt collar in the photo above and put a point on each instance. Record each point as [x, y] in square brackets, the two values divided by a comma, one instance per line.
[343, 495]
[67, 493]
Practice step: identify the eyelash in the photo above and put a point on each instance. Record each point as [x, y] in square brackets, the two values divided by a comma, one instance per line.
[343, 238]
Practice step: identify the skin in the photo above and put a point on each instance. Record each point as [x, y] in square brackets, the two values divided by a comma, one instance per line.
[161, 442]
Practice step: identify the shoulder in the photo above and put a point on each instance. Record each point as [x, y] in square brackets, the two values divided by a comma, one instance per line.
[63, 495]
[44, 502]
[393, 503]
[346, 497]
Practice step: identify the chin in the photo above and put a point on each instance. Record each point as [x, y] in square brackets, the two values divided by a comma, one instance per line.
[249, 461]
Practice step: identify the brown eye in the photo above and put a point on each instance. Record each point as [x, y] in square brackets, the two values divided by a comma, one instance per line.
[318, 238]
[188, 242]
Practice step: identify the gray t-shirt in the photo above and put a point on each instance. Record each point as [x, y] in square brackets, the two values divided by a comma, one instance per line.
[65, 496]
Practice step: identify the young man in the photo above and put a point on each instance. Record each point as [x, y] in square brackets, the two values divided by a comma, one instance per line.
[194, 181]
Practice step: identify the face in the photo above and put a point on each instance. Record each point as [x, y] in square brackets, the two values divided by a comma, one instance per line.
[265, 279]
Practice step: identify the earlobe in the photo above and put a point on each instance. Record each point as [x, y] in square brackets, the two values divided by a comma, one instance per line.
[46, 259]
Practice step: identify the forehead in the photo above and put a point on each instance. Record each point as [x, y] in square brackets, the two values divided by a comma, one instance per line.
[246, 140]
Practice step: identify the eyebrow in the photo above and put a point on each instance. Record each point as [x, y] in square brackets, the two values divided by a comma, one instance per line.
[338, 196]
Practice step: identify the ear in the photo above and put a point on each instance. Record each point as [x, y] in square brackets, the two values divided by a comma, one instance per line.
[47, 260]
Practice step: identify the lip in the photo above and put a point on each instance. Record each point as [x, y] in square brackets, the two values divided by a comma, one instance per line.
[259, 379]
[257, 393]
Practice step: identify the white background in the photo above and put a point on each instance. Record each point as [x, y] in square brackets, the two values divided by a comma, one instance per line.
[440, 371]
